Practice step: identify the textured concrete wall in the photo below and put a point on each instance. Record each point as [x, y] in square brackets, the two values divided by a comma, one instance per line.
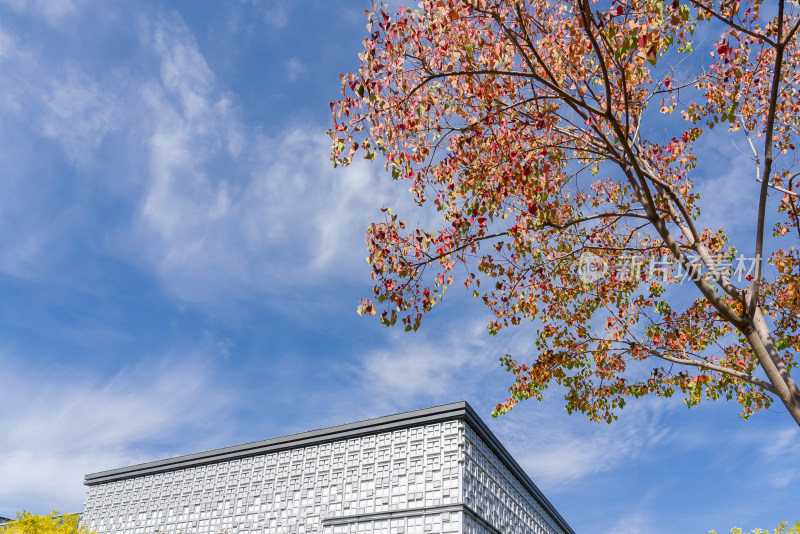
[401, 481]
[495, 495]
[432, 478]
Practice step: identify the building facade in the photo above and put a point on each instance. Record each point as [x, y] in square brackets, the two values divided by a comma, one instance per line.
[437, 470]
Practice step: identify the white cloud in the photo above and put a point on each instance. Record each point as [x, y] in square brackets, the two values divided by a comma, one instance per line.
[728, 187]
[79, 114]
[213, 232]
[634, 523]
[59, 102]
[295, 69]
[417, 367]
[22, 256]
[784, 444]
[74, 113]
[58, 427]
[575, 448]
[276, 12]
[7, 44]
[226, 208]
[53, 11]
[184, 72]
[219, 209]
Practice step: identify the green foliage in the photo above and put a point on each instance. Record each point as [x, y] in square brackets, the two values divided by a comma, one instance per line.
[52, 523]
[783, 528]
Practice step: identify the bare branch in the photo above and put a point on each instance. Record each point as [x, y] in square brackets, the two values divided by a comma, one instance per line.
[700, 364]
[779, 188]
[564, 226]
[471, 242]
[732, 24]
[755, 286]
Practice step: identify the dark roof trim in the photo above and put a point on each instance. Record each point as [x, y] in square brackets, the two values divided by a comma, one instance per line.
[491, 440]
[446, 412]
[292, 441]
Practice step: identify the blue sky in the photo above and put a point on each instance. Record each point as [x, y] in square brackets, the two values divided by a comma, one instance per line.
[180, 267]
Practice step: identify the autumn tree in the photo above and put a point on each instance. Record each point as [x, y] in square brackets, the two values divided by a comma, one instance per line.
[558, 140]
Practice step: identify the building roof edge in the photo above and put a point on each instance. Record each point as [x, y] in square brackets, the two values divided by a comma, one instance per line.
[477, 424]
[455, 410]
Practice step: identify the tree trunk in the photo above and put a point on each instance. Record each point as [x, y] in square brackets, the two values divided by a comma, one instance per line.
[767, 353]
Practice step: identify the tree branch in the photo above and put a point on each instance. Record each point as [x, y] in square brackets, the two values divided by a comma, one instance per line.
[779, 188]
[755, 286]
[732, 24]
[700, 364]
[474, 240]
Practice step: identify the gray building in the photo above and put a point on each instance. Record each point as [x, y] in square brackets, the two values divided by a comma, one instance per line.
[437, 470]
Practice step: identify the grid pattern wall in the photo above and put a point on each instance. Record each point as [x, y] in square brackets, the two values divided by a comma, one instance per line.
[472, 526]
[293, 491]
[432, 523]
[495, 494]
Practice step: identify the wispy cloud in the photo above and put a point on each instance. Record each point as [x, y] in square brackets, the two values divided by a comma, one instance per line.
[575, 448]
[50, 112]
[58, 427]
[214, 236]
[634, 523]
[7, 43]
[784, 444]
[79, 114]
[212, 206]
[227, 208]
[295, 69]
[726, 181]
[54, 11]
[277, 12]
[415, 368]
